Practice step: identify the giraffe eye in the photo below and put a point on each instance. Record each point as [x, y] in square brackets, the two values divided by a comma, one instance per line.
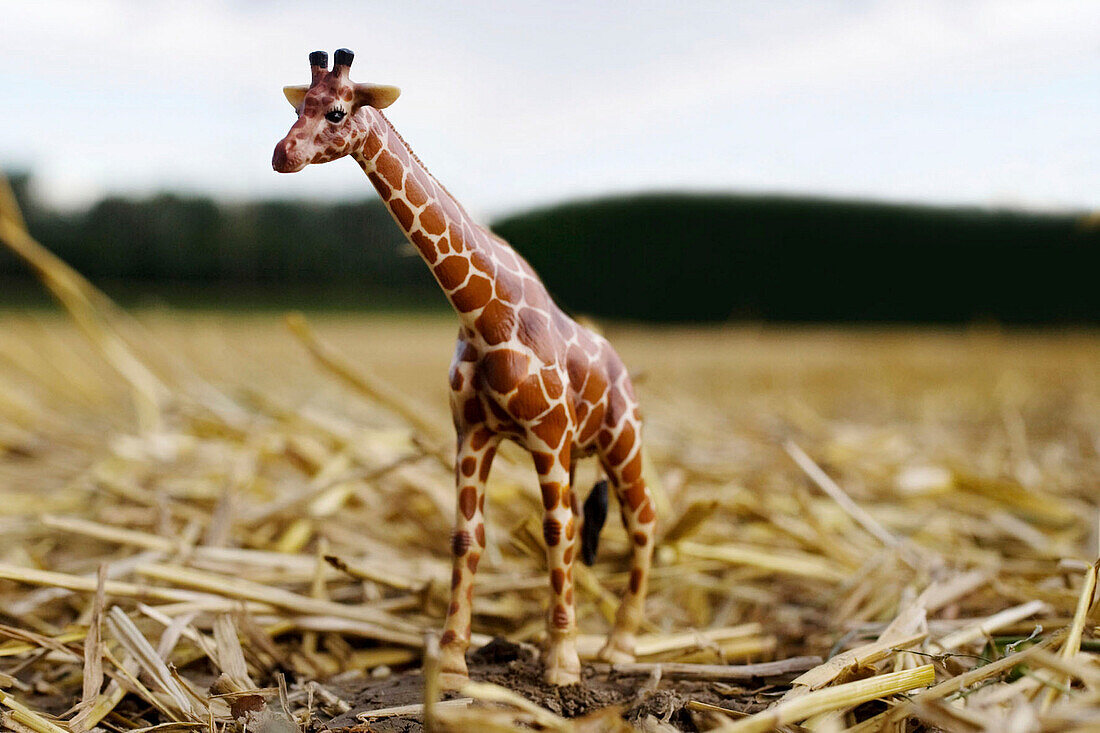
[335, 115]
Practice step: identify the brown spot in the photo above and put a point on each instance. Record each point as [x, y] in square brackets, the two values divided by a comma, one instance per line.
[635, 580]
[647, 514]
[457, 380]
[551, 427]
[484, 263]
[551, 494]
[425, 245]
[469, 598]
[640, 538]
[502, 369]
[557, 579]
[467, 501]
[570, 527]
[500, 413]
[566, 461]
[534, 333]
[528, 402]
[479, 535]
[577, 364]
[622, 447]
[432, 220]
[595, 420]
[403, 213]
[460, 542]
[450, 207]
[616, 406]
[634, 495]
[448, 638]
[456, 577]
[445, 245]
[486, 464]
[595, 387]
[480, 437]
[453, 608]
[560, 617]
[496, 322]
[543, 461]
[551, 382]
[372, 144]
[509, 287]
[568, 556]
[472, 412]
[390, 169]
[414, 192]
[381, 186]
[569, 596]
[451, 271]
[345, 94]
[632, 471]
[472, 561]
[469, 465]
[604, 439]
[551, 530]
[474, 295]
[458, 239]
[469, 352]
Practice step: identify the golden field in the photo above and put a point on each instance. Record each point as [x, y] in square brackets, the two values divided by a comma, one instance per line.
[918, 505]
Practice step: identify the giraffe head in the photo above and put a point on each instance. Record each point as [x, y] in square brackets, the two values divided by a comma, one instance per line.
[332, 120]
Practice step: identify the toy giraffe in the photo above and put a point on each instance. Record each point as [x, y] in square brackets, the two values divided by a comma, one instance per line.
[522, 369]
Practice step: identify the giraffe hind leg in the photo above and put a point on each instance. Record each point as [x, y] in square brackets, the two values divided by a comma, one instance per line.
[640, 521]
[561, 665]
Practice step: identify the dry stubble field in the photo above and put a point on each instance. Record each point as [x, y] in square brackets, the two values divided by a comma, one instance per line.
[917, 507]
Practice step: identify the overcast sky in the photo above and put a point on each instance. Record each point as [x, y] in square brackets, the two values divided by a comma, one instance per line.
[514, 103]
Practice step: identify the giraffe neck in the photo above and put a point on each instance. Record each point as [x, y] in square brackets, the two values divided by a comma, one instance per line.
[462, 256]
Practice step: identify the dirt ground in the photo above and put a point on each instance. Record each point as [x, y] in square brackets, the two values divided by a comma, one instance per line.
[516, 668]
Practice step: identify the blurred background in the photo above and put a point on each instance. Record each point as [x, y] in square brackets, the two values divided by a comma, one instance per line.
[787, 161]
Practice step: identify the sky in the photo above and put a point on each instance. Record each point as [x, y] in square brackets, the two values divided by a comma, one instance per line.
[517, 104]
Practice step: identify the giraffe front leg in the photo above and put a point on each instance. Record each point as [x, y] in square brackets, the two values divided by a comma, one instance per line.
[472, 462]
[640, 522]
[561, 664]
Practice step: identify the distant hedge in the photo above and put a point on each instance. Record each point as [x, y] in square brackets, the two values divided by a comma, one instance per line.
[660, 257]
[688, 257]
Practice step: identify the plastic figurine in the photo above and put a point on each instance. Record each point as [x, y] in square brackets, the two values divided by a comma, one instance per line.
[522, 369]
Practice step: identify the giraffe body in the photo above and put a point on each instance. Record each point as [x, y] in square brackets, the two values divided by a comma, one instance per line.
[522, 370]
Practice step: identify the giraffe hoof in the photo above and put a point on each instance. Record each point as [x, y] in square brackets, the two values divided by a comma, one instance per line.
[453, 681]
[617, 650]
[561, 677]
[563, 666]
[614, 656]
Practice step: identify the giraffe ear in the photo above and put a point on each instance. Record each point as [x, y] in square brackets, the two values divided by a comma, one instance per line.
[295, 94]
[378, 96]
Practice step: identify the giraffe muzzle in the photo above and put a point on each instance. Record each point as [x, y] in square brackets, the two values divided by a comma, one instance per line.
[285, 162]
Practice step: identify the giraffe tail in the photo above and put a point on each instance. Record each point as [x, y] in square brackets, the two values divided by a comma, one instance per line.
[595, 514]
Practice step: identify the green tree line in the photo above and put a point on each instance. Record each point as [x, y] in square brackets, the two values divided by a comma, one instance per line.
[658, 257]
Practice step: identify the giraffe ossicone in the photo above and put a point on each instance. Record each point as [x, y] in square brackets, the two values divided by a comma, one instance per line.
[522, 371]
